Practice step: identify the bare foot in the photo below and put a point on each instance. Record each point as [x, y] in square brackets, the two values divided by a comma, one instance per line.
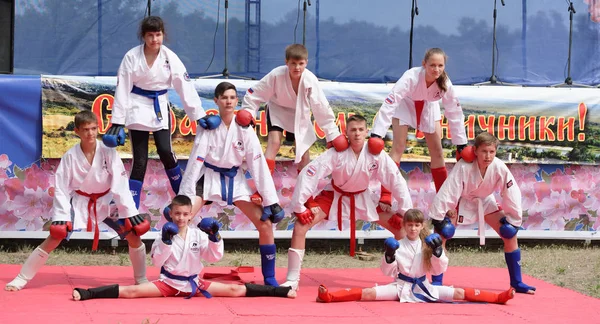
[291, 293]
[11, 288]
[76, 295]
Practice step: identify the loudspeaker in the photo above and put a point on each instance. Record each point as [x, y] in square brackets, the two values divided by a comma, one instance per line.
[7, 32]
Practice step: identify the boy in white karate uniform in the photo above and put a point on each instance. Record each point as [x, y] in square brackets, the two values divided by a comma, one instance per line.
[179, 251]
[348, 197]
[291, 93]
[213, 173]
[88, 177]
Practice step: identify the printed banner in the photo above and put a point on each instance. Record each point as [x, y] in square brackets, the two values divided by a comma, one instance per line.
[534, 125]
[554, 197]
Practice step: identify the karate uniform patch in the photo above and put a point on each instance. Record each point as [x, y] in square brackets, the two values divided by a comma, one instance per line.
[239, 146]
[509, 184]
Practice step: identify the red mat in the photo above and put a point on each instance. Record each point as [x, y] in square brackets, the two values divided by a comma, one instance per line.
[47, 299]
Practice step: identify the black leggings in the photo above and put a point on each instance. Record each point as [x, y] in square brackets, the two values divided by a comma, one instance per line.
[139, 142]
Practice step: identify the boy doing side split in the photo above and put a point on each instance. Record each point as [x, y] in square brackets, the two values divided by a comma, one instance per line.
[141, 103]
[347, 198]
[179, 252]
[213, 174]
[88, 177]
[291, 93]
[409, 260]
[470, 187]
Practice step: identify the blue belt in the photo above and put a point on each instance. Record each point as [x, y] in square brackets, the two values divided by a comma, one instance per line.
[225, 172]
[418, 282]
[184, 278]
[152, 95]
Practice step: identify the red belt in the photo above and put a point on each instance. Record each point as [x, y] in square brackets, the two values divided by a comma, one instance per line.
[419, 104]
[352, 214]
[93, 198]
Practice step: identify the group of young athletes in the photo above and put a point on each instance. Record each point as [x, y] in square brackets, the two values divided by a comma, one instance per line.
[91, 175]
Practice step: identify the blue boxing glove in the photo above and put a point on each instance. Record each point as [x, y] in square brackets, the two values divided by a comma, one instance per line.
[168, 231]
[167, 214]
[434, 241]
[115, 136]
[507, 230]
[391, 245]
[209, 122]
[444, 227]
[274, 212]
[211, 227]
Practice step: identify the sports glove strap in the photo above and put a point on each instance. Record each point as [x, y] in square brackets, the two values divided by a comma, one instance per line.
[151, 94]
[352, 214]
[225, 172]
[428, 298]
[190, 279]
[92, 202]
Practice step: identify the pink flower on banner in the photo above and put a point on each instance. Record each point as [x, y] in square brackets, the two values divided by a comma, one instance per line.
[158, 193]
[32, 208]
[534, 221]
[36, 177]
[560, 181]
[279, 181]
[49, 165]
[4, 162]
[421, 200]
[584, 178]
[593, 202]
[155, 167]
[528, 196]
[417, 180]
[555, 210]
[14, 188]
[241, 223]
[524, 172]
[8, 220]
[285, 196]
[596, 224]
[542, 190]
[3, 177]
[331, 224]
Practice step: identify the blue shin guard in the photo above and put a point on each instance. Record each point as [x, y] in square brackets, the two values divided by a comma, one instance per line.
[513, 262]
[174, 178]
[135, 186]
[437, 280]
[267, 258]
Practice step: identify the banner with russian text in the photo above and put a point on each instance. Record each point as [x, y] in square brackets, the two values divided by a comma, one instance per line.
[534, 125]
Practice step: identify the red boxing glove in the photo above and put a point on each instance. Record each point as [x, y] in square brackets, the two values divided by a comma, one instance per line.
[467, 154]
[305, 217]
[395, 221]
[244, 118]
[138, 224]
[60, 229]
[256, 198]
[375, 145]
[386, 198]
[340, 143]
